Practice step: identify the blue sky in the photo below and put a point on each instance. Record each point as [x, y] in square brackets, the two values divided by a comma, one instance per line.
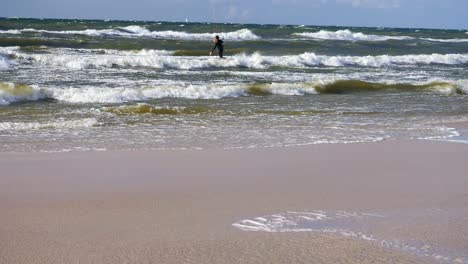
[388, 13]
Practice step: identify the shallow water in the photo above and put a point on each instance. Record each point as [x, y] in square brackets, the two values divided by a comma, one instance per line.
[395, 230]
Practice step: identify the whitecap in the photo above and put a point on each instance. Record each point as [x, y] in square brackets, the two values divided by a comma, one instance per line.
[139, 31]
[348, 35]
[446, 40]
[10, 31]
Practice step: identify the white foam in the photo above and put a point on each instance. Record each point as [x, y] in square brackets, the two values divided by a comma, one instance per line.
[118, 95]
[139, 31]
[79, 123]
[242, 34]
[10, 31]
[161, 59]
[446, 40]
[143, 52]
[5, 62]
[312, 221]
[359, 36]
[348, 35]
[8, 50]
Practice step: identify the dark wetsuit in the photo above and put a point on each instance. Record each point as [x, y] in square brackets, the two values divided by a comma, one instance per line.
[220, 46]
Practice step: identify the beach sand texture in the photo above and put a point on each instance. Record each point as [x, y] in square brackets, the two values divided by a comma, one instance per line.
[179, 206]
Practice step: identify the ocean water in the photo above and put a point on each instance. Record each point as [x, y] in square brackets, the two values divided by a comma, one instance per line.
[74, 85]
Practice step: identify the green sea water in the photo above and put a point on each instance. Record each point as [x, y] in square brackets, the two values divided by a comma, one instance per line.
[74, 85]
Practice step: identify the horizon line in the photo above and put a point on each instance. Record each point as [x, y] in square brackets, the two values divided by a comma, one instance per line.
[246, 23]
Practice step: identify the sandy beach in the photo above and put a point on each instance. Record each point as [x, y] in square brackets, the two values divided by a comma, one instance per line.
[179, 206]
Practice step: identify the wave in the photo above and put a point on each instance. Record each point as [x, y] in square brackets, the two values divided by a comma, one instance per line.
[348, 35]
[160, 60]
[10, 31]
[120, 95]
[144, 109]
[203, 52]
[352, 86]
[79, 123]
[139, 109]
[138, 31]
[20, 92]
[5, 61]
[446, 40]
[359, 36]
[355, 86]
[12, 93]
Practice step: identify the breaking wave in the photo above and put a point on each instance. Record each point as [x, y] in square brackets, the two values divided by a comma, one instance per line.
[354, 86]
[139, 109]
[348, 35]
[446, 40]
[161, 59]
[138, 31]
[11, 93]
[10, 31]
[119, 95]
[5, 62]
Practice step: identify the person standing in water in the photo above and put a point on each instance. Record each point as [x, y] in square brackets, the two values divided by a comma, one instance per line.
[219, 45]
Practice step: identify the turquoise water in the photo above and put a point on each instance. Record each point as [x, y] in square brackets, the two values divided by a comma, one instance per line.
[72, 85]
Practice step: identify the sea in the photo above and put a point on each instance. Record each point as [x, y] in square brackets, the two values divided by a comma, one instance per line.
[93, 85]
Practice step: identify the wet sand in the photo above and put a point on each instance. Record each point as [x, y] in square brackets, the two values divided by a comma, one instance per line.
[179, 206]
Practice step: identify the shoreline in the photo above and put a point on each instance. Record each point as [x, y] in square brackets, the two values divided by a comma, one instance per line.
[179, 205]
[461, 128]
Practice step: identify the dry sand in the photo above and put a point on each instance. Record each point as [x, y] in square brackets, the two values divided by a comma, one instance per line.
[179, 206]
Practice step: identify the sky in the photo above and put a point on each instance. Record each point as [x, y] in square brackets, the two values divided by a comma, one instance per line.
[444, 14]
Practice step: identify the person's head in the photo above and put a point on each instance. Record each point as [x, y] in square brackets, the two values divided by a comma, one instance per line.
[217, 37]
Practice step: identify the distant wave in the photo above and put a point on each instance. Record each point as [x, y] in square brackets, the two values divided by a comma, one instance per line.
[11, 93]
[239, 35]
[445, 40]
[358, 36]
[10, 31]
[348, 35]
[162, 59]
[138, 31]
